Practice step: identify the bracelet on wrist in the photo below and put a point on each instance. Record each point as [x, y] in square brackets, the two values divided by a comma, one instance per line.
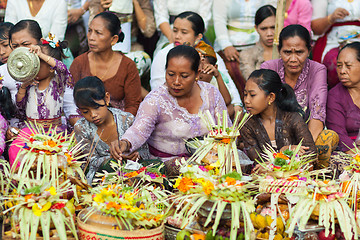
[48, 59]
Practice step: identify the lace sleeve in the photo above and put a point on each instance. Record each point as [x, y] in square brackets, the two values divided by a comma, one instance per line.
[220, 104]
[3, 129]
[251, 145]
[63, 73]
[144, 123]
[318, 94]
[301, 132]
[161, 12]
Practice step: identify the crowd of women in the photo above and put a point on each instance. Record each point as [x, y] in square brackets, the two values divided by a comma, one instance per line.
[107, 95]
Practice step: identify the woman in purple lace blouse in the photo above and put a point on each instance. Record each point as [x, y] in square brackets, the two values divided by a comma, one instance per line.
[343, 108]
[308, 79]
[169, 114]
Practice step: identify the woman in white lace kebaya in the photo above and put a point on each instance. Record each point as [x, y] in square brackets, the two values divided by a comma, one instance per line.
[169, 114]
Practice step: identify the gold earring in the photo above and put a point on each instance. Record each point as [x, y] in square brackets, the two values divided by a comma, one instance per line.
[196, 79]
[269, 103]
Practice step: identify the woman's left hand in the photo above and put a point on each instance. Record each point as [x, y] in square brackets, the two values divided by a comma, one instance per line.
[117, 148]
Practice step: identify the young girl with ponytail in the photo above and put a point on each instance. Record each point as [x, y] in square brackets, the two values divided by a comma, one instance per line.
[48, 96]
[277, 117]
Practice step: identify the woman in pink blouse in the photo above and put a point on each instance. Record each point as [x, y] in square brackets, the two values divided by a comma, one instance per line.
[169, 114]
[308, 79]
[298, 12]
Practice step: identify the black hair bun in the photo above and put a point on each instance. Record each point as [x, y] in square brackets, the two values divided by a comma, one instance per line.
[121, 37]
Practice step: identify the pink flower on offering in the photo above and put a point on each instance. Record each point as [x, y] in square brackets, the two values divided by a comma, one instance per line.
[203, 169]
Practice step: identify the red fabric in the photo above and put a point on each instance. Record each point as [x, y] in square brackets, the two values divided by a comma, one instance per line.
[322, 41]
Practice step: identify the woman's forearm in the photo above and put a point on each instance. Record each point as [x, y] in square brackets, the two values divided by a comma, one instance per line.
[166, 30]
[315, 127]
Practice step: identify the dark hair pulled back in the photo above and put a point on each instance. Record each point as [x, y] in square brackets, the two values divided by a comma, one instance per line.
[31, 26]
[263, 13]
[270, 82]
[113, 24]
[4, 30]
[88, 90]
[187, 52]
[7, 106]
[57, 51]
[197, 23]
[355, 46]
[295, 30]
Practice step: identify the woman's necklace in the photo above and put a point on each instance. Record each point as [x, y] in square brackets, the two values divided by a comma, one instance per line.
[107, 69]
[44, 99]
[35, 9]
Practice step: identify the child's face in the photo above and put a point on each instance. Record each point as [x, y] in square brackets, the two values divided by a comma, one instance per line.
[255, 99]
[205, 77]
[97, 115]
[5, 50]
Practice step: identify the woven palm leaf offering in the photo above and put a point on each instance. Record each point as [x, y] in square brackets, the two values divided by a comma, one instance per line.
[203, 192]
[126, 205]
[39, 209]
[328, 203]
[219, 146]
[284, 176]
[45, 154]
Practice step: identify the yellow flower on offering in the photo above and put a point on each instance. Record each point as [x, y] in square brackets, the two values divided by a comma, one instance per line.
[37, 210]
[177, 183]
[216, 164]
[357, 158]
[208, 187]
[100, 197]
[51, 190]
[68, 158]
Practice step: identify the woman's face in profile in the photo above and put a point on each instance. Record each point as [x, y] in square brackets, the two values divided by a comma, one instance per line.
[294, 54]
[180, 77]
[183, 32]
[266, 31]
[348, 68]
[23, 39]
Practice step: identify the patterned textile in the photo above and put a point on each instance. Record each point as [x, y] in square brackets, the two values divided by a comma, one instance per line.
[3, 128]
[326, 143]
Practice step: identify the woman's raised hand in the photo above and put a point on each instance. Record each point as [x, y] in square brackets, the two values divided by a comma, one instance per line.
[117, 148]
[339, 13]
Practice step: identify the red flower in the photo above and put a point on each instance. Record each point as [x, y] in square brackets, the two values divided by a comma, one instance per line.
[59, 205]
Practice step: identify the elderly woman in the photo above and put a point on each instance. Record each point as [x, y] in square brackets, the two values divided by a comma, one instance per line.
[343, 107]
[117, 71]
[308, 79]
[169, 114]
[334, 21]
